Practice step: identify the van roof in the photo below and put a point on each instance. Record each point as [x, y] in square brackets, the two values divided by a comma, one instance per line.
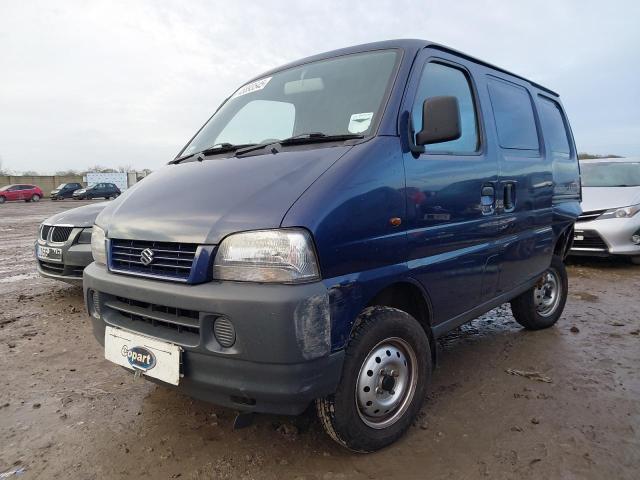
[408, 45]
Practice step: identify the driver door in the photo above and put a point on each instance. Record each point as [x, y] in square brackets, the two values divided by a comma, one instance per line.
[450, 195]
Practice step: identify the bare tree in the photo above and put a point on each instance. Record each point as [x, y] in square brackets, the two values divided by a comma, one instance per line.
[593, 156]
[100, 169]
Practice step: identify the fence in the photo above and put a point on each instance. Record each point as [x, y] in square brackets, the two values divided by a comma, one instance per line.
[45, 182]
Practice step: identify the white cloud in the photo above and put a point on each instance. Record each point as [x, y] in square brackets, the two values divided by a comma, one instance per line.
[123, 82]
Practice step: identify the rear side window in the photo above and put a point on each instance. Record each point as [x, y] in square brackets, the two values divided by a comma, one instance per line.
[554, 127]
[513, 113]
[442, 80]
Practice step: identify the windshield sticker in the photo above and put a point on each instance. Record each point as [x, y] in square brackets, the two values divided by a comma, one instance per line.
[360, 122]
[252, 87]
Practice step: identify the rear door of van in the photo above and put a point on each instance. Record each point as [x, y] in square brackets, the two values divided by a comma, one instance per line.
[525, 188]
[450, 191]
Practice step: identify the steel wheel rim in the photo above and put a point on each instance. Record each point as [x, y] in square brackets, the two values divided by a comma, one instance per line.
[386, 383]
[547, 293]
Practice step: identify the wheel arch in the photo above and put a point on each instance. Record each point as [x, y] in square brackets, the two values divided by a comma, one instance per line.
[408, 296]
[564, 242]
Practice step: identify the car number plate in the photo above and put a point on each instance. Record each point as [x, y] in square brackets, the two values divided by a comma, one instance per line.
[151, 357]
[578, 238]
[49, 253]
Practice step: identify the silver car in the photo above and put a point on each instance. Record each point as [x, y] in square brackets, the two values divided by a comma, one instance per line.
[610, 222]
[63, 246]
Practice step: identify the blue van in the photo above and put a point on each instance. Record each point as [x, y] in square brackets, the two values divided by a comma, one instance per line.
[328, 223]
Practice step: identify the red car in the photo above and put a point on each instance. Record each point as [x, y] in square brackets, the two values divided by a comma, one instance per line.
[28, 193]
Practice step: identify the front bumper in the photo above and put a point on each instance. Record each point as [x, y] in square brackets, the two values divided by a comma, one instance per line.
[281, 359]
[607, 237]
[75, 257]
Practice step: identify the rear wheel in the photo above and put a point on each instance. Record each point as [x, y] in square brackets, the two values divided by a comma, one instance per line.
[386, 371]
[541, 306]
[35, 198]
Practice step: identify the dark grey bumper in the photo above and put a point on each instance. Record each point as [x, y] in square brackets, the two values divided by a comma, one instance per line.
[75, 259]
[281, 360]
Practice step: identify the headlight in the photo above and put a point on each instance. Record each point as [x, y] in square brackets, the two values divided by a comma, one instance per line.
[98, 248]
[623, 212]
[85, 235]
[279, 256]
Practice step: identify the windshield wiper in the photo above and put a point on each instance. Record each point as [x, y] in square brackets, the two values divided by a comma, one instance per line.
[301, 139]
[214, 150]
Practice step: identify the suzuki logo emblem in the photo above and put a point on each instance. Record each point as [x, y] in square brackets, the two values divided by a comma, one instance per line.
[146, 257]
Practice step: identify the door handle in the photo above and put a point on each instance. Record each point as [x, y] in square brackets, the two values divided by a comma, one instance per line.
[488, 199]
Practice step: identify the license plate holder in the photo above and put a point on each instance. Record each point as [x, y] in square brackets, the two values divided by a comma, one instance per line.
[148, 356]
[49, 253]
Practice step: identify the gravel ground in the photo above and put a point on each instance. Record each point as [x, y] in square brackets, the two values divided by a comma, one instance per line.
[67, 413]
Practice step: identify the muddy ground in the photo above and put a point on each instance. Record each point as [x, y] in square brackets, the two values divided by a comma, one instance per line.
[67, 413]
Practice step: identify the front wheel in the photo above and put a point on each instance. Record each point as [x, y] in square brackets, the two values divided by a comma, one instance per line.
[541, 306]
[2, 199]
[386, 371]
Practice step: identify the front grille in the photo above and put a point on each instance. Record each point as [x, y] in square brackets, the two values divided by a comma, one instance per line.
[170, 259]
[61, 269]
[57, 268]
[175, 324]
[60, 234]
[592, 215]
[44, 232]
[590, 240]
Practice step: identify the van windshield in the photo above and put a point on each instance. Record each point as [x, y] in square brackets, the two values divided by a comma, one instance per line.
[338, 96]
[610, 174]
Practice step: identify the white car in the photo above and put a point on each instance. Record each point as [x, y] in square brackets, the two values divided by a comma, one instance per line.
[610, 222]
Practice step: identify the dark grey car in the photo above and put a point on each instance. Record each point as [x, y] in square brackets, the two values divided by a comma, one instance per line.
[63, 246]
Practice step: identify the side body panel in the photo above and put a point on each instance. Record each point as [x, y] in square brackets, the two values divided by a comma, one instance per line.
[526, 181]
[348, 210]
[451, 238]
[463, 258]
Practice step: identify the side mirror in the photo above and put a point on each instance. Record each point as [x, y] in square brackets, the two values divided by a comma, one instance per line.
[440, 121]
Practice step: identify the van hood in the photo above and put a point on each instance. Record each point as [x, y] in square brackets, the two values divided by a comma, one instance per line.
[78, 217]
[601, 198]
[202, 202]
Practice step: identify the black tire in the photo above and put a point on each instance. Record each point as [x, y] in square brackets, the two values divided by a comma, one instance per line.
[348, 422]
[2, 199]
[537, 308]
[34, 198]
[634, 260]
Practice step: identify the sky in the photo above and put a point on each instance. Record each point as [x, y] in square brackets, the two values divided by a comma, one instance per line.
[127, 83]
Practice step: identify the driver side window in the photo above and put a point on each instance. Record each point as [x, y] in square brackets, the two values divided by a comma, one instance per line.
[442, 80]
[262, 120]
